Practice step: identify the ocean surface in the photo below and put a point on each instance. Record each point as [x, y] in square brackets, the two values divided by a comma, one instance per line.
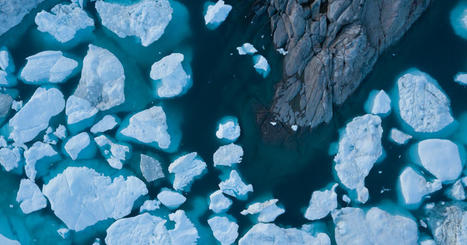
[226, 84]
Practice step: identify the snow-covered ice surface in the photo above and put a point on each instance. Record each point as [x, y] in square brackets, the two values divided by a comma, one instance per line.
[235, 187]
[186, 169]
[150, 205]
[321, 203]
[171, 199]
[228, 155]
[378, 103]
[261, 65]
[39, 154]
[13, 12]
[267, 211]
[115, 153]
[218, 202]
[216, 14]
[78, 109]
[48, 67]
[75, 146]
[413, 186]
[228, 129]
[30, 197]
[246, 48]
[108, 122]
[223, 229]
[10, 158]
[170, 79]
[399, 137]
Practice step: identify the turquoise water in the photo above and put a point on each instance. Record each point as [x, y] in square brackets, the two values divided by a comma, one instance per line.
[225, 83]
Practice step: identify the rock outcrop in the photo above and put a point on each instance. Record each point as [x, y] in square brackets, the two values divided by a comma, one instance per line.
[332, 45]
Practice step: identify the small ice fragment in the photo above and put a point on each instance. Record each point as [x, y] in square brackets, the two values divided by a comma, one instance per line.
[216, 14]
[461, 78]
[77, 144]
[36, 153]
[261, 65]
[282, 51]
[378, 103]
[10, 158]
[268, 211]
[246, 48]
[399, 137]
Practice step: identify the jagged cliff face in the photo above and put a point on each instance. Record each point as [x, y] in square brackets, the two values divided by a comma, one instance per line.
[332, 45]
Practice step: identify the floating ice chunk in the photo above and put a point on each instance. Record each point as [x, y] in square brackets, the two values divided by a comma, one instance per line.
[378, 103]
[64, 21]
[151, 168]
[228, 129]
[108, 122]
[5, 104]
[170, 79]
[458, 19]
[102, 80]
[78, 109]
[4, 240]
[171, 199]
[294, 127]
[422, 105]
[184, 232]
[48, 67]
[60, 132]
[6, 61]
[456, 191]
[114, 153]
[39, 153]
[78, 145]
[186, 169]
[145, 19]
[149, 127]
[376, 227]
[35, 115]
[216, 14]
[321, 204]
[399, 137]
[246, 48]
[141, 229]
[441, 158]
[10, 158]
[227, 155]
[461, 78]
[282, 51]
[414, 186]
[265, 233]
[14, 11]
[218, 202]
[150, 205]
[268, 211]
[223, 229]
[235, 187]
[63, 232]
[7, 80]
[359, 148]
[30, 197]
[81, 197]
[261, 65]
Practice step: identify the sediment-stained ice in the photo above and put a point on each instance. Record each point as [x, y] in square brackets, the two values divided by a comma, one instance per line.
[30, 197]
[186, 169]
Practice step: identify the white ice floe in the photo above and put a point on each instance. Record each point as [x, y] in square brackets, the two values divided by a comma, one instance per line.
[10, 158]
[422, 105]
[64, 21]
[399, 137]
[414, 187]
[456, 191]
[171, 199]
[228, 129]
[35, 154]
[267, 211]
[16, 105]
[151, 168]
[218, 202]
[60, 132]
[441, 158]
[223, 229]
[30, 197]
[359, 148]
[186, 169]
[150, 205]
[261, 65]
[108, 122]
[102, 80]
[378, 103]
[81, 197]
[170, 79]
[294, 127]
[353, 226]
[77, 144]
[48, 67]
[461, 78]
[234, 186]
[6, 61]
[115, 154]
[265, 233]
[78, 109]
[216, 14]
[184, 232]
[4, 240]
[35, 115]
[145, 19]
[321, 203]
[149, 127]
[228, 155]
[246, 48]
[7, 80]
[14, 11]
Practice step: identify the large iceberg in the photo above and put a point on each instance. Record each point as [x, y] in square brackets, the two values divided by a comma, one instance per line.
[78, 109]
[218, 202]
[13, 12]
[227, 155]
[81, 197]
[216, 14]
[38, 158]
[30, 197]
[145, 19]
[102, 80]
[422, 105]
[48, 67]
[115, 154]
[171, 199]
[186, 169]
[64, 21]
[266, 233]
[378, 103]
[413, 186]
[151, 168]
[170, 79]
[35, 114]
[267, 211]
[321, 203]
[235, 187]
[223, 229]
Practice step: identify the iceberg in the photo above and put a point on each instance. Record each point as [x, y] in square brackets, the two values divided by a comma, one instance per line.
[184, 232]
[151, 168]
[6, 241]
[171, 199]
[413, 187]
[378, 103]
[261, 65]
[170, 79]
[458, 19]
[80, 147]
[30, 197]
[216, 14]
[461, 78]
[48, 67]
[227, 155]
[6, 61]
[246, 48]
[115, 154]
[60, 132]
[321, 203]
[81, 197]
[35, 115]
[265, 233]
[149, 127]
[108, 122]
[10, 158]
[102, 80]
[235, 187]
[145, 19]
[7, 80]
[149, 205]
[64, 21]
[223, 229]
[422, 105]
[441, 158]
[399, 137]
[268, 211]
[39, 156]
[64, 232]
[456, 191]
[218, 202]
[186, 169]
[359, 148]
[14, 11]
[78, 109]
[228, 129]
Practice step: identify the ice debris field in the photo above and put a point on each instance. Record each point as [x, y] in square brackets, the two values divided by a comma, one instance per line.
[98, 170]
